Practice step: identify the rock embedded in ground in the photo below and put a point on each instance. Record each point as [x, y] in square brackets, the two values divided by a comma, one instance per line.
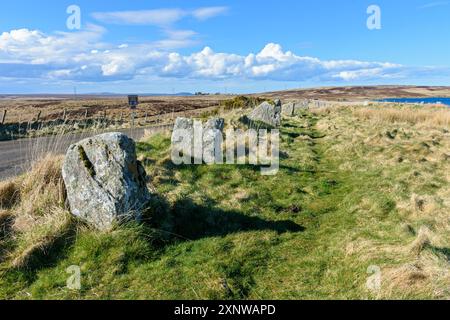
[267, 113]
[212, 141]
[105, 183]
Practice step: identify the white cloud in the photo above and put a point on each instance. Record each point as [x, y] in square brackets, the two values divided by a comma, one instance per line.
[176, 39]
[434, 4]
[157, 17]
[210, 12]
[82, 56]
[165, 20]
[35, 47]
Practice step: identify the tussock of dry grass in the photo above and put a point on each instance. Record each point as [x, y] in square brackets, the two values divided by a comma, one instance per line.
[424, 115]
[9, 193]
[5, 218]
[43, 187]
[38, 234]
[422, 241]
[406, 148]
[36, 203]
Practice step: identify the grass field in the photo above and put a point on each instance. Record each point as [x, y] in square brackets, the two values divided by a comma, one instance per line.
[45, 116]
[25, 109]
[358, 188]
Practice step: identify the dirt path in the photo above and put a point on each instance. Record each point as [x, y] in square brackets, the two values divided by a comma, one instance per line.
[16, 156]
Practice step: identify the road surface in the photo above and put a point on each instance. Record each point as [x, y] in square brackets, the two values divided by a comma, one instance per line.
[16, 156]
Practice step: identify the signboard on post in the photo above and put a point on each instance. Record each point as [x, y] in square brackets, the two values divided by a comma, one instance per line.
[133, 101]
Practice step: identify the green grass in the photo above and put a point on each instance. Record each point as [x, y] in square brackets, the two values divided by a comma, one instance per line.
[227, 232]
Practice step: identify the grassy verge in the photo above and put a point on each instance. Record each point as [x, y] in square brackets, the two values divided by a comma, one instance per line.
[353, 191]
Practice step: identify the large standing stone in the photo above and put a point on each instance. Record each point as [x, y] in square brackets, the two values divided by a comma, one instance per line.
[288, 109]
[104, 181]
[212, 141]
[183, 136]
[267, 113]
[187, 141]
[301, 107]
[195, 140]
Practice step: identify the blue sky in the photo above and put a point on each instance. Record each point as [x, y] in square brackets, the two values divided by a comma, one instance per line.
[148, 46]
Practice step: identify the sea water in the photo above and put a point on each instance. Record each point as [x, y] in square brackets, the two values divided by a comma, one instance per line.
[430, 100]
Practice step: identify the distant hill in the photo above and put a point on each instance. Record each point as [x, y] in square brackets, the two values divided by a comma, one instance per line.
[49, 96]
[360, 92]
[345, 93]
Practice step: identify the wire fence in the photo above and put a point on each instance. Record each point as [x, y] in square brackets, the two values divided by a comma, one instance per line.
[41, 123]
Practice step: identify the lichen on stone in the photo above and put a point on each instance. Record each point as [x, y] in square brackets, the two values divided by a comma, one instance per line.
[87, 163]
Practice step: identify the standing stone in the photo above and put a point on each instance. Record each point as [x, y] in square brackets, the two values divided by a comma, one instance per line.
[183, 136]
[212, 141]
[288, 109]
[104, 181]
[301, 106]
[192, 139]
[267, 113]
[187, 141]
[277, 102]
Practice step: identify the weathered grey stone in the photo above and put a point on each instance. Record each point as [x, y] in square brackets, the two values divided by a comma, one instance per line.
[196, 140]
[212, 141]
[301, 106]
[267, 113]
[104, 181]
[183, 136]
[288, 109]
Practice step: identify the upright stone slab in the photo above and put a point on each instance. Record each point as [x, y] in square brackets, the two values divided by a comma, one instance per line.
[288, 109]
[193, 140]
[267, 113]
[187, 141]
[183, 137]
[104, 181]
[301, 107]
[212, 141]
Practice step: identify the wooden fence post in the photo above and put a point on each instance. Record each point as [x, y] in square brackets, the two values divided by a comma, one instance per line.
[3, 117]
[38, 117]
[20, 122]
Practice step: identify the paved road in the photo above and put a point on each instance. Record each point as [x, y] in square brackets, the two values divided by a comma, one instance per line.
[16, 156]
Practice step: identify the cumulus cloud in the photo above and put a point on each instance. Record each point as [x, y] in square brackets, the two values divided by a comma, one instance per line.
[82, 56]
[35, 47]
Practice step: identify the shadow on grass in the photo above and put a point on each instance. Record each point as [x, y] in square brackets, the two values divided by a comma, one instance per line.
[443, 251]
[47, 256]
[187, 220]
